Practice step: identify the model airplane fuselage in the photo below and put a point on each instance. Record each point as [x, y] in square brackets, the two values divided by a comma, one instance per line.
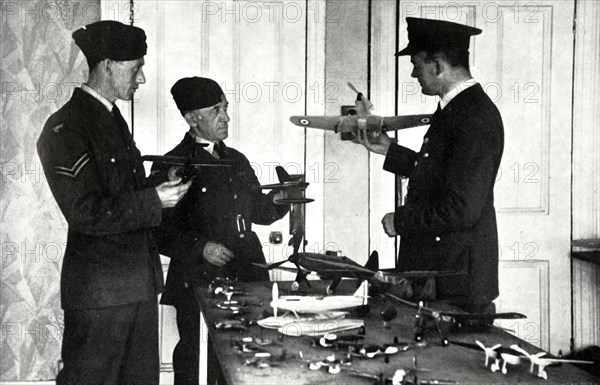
[318, 304]
[349, 125]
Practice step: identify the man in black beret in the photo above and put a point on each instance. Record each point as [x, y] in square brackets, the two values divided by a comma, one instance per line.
[448, 221]
[209, 233]
[111, 272]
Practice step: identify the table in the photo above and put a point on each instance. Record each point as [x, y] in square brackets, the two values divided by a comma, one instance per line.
[448, 363]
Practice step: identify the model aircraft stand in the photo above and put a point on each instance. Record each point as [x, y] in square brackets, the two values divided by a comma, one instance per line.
[237, 356]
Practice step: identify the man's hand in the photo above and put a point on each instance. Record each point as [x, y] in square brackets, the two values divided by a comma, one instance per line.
[388, 225]
[171, 192]
[217, 254]
[281, 194]
[173, 172]
[377, 143]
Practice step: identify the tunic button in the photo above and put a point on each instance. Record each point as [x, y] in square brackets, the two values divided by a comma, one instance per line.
[134, 170]
[109, 213]
[235, 196]
[425, 155]
[242, 235]
[437, 239]
[416, 163]
[112, 160]
[203, 189]
[426, 140]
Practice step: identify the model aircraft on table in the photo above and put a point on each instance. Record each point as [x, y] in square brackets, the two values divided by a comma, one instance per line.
[348, 125]
[541, 361]
[498, 355]
[404, 376]
[441, 322]
[323, 315]
[334, 267]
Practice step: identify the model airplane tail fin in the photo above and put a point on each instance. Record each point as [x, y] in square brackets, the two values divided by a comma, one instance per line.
[275, 295]
[282, 175]
[373, 261]
[363, 292]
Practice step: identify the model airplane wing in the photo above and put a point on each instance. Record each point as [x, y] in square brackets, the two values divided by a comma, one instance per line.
[183, 161]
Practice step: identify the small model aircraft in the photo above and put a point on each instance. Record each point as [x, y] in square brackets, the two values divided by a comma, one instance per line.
[189, 167]
[334, 267]
[444, 321]
[319, 304]
[348, 125]
[500, 355]
[401, 376]
[541, 361]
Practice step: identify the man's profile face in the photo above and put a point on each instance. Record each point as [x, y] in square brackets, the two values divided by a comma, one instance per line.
[424, 72]
[126, 76]
[211, 122]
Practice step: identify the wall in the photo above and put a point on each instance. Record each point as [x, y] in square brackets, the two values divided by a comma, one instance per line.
[40, 66]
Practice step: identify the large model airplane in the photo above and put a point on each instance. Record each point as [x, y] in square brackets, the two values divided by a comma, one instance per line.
[189, 167]
[334, 267]
[442, 322]
[348, 125]
[319, 304]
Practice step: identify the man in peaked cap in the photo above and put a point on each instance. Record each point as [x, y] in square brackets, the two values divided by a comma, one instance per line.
[111, 272]
[448, 221]
[209, 233]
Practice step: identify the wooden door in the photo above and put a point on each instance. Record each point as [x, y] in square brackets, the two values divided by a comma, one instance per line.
[523, 59]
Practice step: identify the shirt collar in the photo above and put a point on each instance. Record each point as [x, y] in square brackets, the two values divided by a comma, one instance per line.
[456, 89]
[210, 145]
[96, 95]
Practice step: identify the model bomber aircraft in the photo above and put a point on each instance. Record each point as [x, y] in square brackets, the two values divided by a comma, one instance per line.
[334, 267]
[188, 167]
[441, 321]
[348, 126]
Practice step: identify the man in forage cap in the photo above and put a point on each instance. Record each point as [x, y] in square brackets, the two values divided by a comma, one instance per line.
[111, 272]
[448, 221]
[209, 233]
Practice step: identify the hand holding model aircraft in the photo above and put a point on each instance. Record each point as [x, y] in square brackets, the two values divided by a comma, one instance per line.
[349, 126]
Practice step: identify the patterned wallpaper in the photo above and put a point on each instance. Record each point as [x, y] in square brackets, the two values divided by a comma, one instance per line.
[40, 65]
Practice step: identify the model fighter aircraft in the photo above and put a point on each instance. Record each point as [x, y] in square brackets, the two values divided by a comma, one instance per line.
[188, 167]
[442, 322]
[348, 125]
[334, 267]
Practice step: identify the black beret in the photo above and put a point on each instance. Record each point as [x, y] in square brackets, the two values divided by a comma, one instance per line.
[430, 35]
[109, 39]
[195, 93]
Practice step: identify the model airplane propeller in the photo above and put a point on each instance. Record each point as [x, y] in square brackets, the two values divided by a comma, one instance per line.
[348, 126]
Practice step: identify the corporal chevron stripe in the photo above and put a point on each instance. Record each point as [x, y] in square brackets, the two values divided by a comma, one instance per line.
[73, 171]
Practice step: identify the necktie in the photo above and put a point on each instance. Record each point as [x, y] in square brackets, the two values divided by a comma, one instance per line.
[437, 113]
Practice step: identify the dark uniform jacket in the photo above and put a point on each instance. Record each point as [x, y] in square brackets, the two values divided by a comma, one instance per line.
[96, 175]
[449, 221]
[220, 206]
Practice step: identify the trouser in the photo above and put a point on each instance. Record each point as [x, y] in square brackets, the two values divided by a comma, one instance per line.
[116, 345]
[186, 354]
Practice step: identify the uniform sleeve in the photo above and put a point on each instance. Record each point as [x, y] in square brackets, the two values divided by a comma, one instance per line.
[264, 211]
[400, 160]
[470, 172]
[172, 240]
[88, 204]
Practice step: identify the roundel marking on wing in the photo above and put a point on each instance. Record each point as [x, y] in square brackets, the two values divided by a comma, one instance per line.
[304, 122]
[425, 120]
